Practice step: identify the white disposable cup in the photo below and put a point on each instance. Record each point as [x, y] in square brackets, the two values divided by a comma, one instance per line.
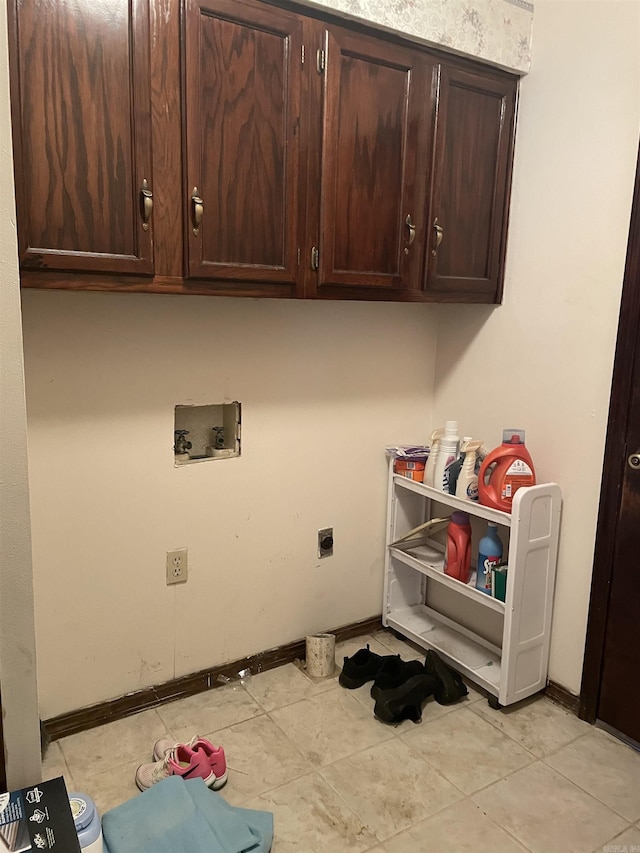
[321, 651]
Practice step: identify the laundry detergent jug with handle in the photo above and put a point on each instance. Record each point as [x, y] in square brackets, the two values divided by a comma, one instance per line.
[505, 470]
[458, 552]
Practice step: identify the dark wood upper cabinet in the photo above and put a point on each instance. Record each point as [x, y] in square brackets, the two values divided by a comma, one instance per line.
[377, 115]
[236, 147]
[82, 134]
[242, 89]
[469, 201]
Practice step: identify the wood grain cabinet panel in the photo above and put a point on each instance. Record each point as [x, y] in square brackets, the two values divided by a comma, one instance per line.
[292, 156]
[377, 117]
[242, 91]
[82, 134]
[469, 202]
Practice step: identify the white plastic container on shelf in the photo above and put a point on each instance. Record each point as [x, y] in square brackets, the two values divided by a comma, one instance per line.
[467, 485]
[448, 451]
[434, 447]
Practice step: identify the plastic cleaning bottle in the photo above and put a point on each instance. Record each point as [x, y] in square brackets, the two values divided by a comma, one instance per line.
[505, 470]
[430, 467]
[87, 822]
[480, 457]
[489, 555]
[467, 480]
[458, 552]
[453, 470]
[447, 453]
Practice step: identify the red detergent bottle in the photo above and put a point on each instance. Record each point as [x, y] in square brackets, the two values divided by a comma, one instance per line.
[458, 554]
[505, 470]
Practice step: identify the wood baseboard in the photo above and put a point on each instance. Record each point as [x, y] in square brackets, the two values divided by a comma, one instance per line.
[188, 685]
[562, 696]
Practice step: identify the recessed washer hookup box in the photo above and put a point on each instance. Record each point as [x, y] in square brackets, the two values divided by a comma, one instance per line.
[38, 818]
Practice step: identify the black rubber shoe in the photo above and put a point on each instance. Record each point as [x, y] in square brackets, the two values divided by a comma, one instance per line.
[449, 685]
[362, 667]
[393, 673]
[405, 702]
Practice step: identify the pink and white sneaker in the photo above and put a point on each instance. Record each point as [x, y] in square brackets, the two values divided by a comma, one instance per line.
[214, 755]
[180, 760]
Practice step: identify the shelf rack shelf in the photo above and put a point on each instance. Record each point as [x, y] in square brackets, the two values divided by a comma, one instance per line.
[501, 646]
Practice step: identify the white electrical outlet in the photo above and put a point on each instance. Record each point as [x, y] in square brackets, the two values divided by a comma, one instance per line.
[177, 566]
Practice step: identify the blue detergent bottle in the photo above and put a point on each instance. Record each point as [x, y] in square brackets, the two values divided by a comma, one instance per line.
[489, 555]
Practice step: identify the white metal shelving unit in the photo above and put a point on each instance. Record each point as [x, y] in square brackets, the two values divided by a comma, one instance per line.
[501, 646]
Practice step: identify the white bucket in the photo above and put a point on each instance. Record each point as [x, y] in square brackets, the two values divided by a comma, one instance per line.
[321, 651]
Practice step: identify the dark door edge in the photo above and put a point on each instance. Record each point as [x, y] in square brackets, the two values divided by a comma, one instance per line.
[613, 466]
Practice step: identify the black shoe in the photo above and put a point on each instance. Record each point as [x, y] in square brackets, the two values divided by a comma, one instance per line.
[449, 685]
[362, 667]
[405, 702]
[394, 672]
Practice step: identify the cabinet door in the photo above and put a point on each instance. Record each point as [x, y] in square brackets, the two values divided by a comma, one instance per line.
[469, 206]
[82, 134]
[243, 81]
[377, 118]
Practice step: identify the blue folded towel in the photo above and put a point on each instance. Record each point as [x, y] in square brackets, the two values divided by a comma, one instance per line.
[184, 816]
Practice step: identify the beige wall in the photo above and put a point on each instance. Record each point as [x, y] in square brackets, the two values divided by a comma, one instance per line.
[543, 360]
[323, 387]
[17, 635]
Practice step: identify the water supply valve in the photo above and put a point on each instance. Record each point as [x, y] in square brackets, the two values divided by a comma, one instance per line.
[218, 436]
[181, 445]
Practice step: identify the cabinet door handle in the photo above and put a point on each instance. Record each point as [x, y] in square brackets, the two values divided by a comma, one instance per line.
[146, 203]
[412, 228]
[197, 212]
[439, 234]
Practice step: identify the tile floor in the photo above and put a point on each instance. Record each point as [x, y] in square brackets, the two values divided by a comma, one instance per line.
[532, 778]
